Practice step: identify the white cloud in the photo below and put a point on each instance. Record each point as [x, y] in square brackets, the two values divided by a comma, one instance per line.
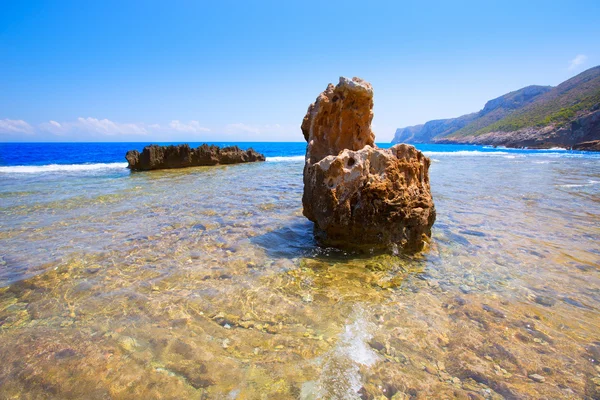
[108, 127]
[93, 125]
[96, 128]
[53, 127]
[577, 61]
[242, 128]
[190, 127]
[275, 132]
[12, 126]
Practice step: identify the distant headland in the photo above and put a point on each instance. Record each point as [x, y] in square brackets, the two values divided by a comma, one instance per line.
[566, 116]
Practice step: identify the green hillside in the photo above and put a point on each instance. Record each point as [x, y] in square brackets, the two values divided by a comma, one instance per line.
[493, 111]
[558, 106]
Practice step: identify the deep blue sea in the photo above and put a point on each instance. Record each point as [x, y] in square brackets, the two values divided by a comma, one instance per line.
[206, 282]
[92, 156]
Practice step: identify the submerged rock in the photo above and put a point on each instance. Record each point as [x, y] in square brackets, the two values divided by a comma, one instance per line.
[182, 156]
[537, 378]
[360, 196]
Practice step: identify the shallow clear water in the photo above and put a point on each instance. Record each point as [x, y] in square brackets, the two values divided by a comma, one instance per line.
[206, 283]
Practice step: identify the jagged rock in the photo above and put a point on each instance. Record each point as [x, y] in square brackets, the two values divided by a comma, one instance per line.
[359, 196]
[181, 156]
[339, 119]
[593, 145]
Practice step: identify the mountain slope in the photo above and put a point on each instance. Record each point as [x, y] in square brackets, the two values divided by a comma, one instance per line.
[436, 128]
[493, 111]
[535, 116]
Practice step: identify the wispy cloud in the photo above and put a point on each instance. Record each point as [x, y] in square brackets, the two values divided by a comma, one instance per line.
[93, 125]
[577, 61]
[241, 128]
[15, 126]
[190, 127]
[53, 127]
[256, 129]
[107, 127]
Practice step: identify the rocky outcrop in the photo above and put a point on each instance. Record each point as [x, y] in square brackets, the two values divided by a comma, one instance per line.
[182, 156]
[593, 145]
[437, 128]
[534, 116]
[339, 119]
[583, 129]
[493, 111]
[359, 196]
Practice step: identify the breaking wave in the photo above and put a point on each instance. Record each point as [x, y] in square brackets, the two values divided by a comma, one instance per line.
[34, 169]
[466, 153]
[285, 159]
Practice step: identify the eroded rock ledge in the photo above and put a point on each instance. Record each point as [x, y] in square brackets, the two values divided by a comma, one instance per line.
[182, 156]
[592, 145]
[360, 196]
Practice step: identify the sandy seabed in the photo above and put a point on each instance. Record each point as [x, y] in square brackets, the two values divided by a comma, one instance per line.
[205, 283]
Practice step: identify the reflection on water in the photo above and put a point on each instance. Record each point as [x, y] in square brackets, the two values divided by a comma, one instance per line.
[206, 283]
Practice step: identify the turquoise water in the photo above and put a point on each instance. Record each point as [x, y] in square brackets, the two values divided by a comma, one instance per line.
[206, 282]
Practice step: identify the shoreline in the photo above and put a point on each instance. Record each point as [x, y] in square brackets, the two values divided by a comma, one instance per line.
[590, 146]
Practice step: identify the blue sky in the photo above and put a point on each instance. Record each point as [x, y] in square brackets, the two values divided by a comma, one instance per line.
[247, 71]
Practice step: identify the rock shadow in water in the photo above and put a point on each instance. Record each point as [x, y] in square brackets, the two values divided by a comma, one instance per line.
[298, 240]
[289, 241]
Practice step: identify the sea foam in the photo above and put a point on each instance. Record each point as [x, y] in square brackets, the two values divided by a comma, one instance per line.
[466, 153]
[285, 159]
[590, 183]
[34, 169]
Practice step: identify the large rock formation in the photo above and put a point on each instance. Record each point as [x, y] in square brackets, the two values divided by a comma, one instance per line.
[359, 196]
[181, 156]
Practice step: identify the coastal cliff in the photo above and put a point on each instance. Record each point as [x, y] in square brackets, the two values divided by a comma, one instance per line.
[182, 156]
[572, 134]
[534, 116]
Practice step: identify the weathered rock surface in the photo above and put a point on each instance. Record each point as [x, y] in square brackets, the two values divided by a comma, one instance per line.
[593, 145]
[182, 156]
[359, 196]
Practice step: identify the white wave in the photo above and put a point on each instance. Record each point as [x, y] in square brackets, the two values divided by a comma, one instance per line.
[35, 169]
[466, 153]
[590, 183]
[548, 149]
[554, 153]
[285, 159]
